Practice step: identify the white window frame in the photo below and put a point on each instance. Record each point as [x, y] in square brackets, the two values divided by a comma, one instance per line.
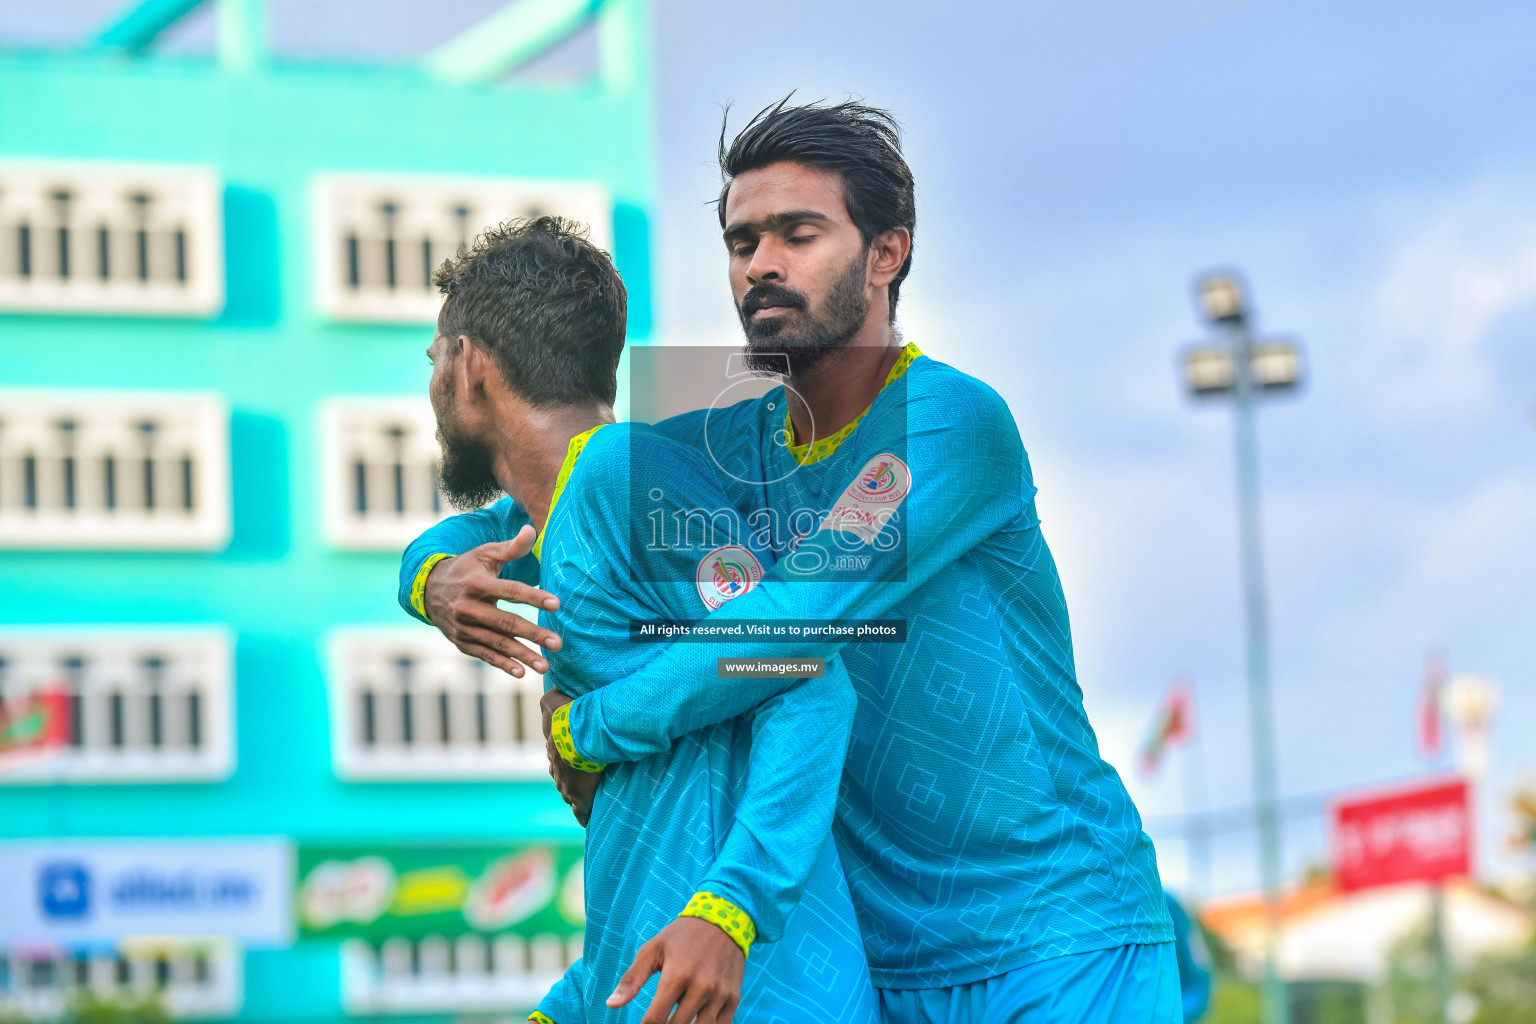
[355, 428]
[111, 689]
[469, 973]
[423, 208]
[73, 436]
[365, 659]
[185, 997]
[101, 198]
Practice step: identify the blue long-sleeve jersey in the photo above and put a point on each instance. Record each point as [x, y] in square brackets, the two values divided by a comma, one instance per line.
[727, 809]
[979, 827]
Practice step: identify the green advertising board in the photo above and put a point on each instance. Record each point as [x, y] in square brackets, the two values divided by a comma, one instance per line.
[375, 892]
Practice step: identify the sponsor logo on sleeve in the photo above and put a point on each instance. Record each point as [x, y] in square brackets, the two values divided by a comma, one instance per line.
[726, 573]
[873, 497]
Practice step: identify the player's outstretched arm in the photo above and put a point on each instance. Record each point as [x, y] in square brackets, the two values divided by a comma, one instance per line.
[454, 536]
[799, 743]
[969, 480]
[452, 576]
[460, 599]
[782, 822]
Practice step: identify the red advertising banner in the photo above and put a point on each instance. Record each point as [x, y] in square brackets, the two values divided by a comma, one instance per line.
[1422, 834]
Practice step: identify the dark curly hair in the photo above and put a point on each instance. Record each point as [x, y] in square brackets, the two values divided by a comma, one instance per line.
[545, 303]
[860, 143]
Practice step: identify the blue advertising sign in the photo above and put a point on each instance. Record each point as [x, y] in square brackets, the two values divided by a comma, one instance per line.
[105, 890]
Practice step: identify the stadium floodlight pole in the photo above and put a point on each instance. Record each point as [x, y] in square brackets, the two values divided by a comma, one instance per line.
[1241, 369]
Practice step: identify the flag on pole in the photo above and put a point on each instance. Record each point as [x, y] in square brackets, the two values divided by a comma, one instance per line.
[1172, 727]
[1429, 730]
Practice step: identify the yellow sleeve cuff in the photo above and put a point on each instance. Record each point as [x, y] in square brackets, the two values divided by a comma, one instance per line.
[730, 918]
[539, 1018]
[560, 732]
[419, 584]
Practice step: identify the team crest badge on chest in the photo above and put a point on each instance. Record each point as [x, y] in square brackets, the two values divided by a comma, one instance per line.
[872, 498]
[726, 573]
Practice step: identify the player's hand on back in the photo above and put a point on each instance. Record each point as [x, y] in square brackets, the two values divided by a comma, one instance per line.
[577, 788]
[701, 970]
[461, 595]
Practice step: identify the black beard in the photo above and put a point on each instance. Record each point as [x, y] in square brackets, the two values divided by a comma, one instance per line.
[799, 337]
[466, 478]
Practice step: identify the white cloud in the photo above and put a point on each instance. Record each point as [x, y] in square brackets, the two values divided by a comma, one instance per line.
[1461, 262]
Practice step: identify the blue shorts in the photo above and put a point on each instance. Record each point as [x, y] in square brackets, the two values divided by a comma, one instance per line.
[1129, 984]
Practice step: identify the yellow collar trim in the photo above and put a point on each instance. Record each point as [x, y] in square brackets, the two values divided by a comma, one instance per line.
[572, 453]
[815, 451]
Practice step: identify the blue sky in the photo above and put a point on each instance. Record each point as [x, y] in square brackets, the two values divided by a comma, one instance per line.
[1371, 169]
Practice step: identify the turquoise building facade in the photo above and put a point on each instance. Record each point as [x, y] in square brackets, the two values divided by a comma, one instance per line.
[280, 586]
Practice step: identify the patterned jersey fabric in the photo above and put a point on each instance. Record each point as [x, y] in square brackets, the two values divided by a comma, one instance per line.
[979, 827]
[728, 810]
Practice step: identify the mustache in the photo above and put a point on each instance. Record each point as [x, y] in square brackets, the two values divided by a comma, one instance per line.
[770, 294]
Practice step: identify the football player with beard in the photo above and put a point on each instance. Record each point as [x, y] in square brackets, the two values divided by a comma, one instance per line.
[724, 833]
[997, 864]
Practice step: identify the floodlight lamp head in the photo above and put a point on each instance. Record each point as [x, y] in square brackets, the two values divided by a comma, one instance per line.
[1470, 701]
[1223, 298]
